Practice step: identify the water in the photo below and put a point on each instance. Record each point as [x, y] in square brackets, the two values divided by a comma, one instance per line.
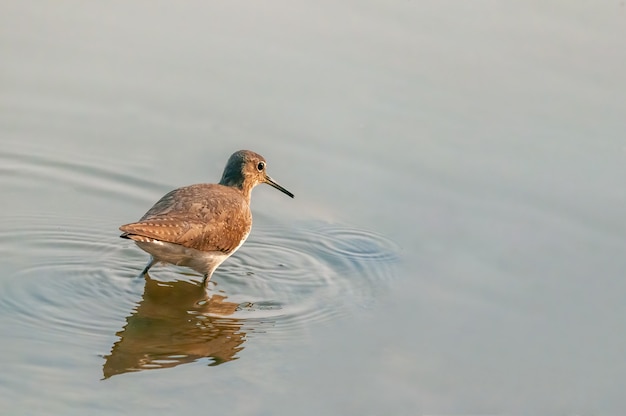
[456, 244]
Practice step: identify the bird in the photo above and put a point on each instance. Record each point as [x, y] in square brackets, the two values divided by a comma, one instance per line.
[200, 226]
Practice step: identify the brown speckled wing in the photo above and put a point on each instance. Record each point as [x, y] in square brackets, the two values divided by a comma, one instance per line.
[205, 217]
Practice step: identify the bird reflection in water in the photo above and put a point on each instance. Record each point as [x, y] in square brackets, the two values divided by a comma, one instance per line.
[176, 323]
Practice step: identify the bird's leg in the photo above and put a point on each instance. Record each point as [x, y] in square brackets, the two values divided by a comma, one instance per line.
[207, 278]
[151, 263]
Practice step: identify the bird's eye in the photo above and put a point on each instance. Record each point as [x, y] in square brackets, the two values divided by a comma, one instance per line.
[260, 166]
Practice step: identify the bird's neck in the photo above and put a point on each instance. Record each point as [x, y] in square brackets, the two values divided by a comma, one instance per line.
[238, 183]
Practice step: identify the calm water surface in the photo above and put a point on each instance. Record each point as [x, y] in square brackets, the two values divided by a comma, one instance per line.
[457, 241]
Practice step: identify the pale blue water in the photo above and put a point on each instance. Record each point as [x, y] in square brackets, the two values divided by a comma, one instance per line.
[456, 244]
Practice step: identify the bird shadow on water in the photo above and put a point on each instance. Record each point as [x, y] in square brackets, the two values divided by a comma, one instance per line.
[176, 323]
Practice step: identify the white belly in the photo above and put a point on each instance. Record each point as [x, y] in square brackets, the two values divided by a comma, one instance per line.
[204, 262]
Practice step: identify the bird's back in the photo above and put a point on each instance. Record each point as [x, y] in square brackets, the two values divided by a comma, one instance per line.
[205, 217]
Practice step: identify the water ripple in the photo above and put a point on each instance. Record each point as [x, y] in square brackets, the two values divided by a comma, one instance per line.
[308, 272]
[63, 286]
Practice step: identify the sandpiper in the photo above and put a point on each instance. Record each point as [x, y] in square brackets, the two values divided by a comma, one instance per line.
[200, 226]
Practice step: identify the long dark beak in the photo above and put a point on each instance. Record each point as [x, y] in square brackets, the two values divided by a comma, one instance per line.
[271, 182]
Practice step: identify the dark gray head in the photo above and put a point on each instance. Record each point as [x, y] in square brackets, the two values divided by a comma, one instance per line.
[245, 170]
